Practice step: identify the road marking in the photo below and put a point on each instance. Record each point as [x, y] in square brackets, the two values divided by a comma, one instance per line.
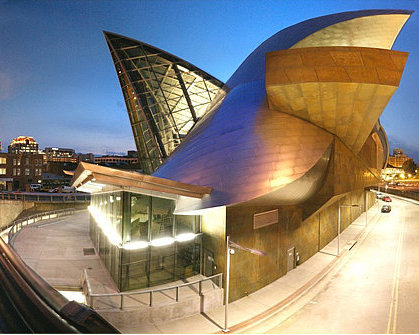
[392, 318]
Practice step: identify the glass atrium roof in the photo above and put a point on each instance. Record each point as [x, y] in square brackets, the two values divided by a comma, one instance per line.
[165, 96]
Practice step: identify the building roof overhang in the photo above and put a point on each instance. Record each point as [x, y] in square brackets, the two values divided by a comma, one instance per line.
[93, 178]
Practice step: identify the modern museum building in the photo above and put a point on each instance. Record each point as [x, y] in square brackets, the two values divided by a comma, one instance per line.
[277, 158]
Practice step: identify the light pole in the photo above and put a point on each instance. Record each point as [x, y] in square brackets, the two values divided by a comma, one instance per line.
[340, 206]
[227, 286]
[229, 252]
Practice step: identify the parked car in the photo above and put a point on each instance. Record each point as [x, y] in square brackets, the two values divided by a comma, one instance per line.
[35, 187]
[379, 195]
[386, 209]
[68, 189]
[53, 190]
[387, 199]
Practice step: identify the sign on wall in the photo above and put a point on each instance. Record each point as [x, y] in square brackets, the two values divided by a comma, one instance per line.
[264, 219]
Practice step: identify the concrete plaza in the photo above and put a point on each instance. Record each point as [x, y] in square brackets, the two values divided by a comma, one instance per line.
[55, 250]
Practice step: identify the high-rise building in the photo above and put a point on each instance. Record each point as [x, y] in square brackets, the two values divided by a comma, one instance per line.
[23, 144]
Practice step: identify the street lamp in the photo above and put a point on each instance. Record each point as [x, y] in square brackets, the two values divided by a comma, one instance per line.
[229, 252]
[340, 206]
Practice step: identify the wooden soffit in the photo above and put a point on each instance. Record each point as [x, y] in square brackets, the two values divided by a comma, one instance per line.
[94, 178]
[343, 90]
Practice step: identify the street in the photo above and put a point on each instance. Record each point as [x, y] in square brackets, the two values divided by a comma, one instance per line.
[373, 289]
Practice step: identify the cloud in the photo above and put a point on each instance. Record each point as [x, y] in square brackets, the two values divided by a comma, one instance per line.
[7, 86]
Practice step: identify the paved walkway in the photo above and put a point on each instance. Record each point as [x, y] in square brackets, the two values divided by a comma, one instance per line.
[55, 251]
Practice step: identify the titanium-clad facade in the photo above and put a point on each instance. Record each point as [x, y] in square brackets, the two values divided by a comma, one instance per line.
[294, 131]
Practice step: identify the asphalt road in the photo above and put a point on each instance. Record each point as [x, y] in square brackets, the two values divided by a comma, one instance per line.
[373, 289]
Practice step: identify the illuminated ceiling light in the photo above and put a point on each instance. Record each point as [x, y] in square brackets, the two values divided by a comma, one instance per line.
[96, 184]
[135, 245]
[162, 241]
[118, 198]
[185, 237]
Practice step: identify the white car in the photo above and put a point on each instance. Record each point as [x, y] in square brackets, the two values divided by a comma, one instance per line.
[68, 189]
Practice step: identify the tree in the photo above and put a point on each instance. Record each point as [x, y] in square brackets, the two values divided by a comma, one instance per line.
[409, 166]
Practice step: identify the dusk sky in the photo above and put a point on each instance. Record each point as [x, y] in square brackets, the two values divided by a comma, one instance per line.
[58, 83]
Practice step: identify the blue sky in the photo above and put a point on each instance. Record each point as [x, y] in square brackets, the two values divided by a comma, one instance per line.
[58, 83]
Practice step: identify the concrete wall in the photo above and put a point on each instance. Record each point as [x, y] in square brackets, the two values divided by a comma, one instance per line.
[13, 209]
[10, 210]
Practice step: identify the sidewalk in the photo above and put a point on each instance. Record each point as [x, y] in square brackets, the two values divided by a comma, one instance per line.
[57, 255]
[273, 297]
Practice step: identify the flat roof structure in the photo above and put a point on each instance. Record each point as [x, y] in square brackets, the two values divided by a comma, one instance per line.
[93, 178]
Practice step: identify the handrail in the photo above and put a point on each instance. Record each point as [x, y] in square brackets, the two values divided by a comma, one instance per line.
[17, 225]
[45, 197]
[90, 295]
[39, 306]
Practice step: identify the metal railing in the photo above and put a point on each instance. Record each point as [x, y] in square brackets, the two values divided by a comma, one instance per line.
[45, 197]
[90, 297]
[17, 225]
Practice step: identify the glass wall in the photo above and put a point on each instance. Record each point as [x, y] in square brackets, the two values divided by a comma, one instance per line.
[141, 242]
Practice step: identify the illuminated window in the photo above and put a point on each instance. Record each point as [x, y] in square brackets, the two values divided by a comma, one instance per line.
[14, 161]
[2, 171]
[27, 172]
[18, 171]
[2, 160]
[14, 171]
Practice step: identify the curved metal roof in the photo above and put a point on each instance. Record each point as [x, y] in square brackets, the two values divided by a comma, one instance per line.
[253, 67]
[246, 151]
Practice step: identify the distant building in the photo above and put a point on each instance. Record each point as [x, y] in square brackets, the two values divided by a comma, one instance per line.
[60, 155]
[23, 144]
[89, 158]
[398, 158]
[132, 153]
[18, 171]
[115, 159]
[51, 180]
[6, 183]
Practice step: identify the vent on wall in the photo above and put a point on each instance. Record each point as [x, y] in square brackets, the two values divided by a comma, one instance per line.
[88, 251]
[264, 219]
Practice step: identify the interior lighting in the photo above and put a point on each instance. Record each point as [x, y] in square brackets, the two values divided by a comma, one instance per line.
[135, 245]
[185, 237]
[162, 241]
[106, 226]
